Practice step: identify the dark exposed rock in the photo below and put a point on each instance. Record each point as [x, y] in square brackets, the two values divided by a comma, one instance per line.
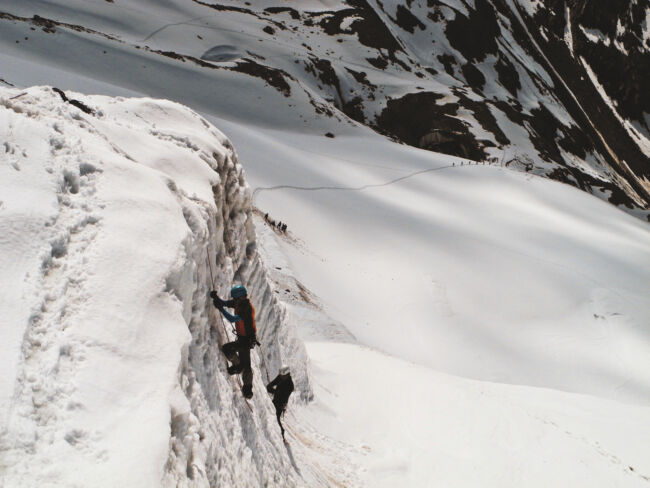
[367, 25]
[227, 8]
[512, 109]
[49, 25]
[448, 62]
[241, 10]
[407, 21]
[582, 100]
[276, 10]
[623, 75]
[508, 75]
[592, 185]
[475, 36]
[379, 62]
[80, 105]
[418, 120]
[323, 69]
[544, 133]
[354, 109]
[483, 115]
[473, 76]
[273, 76]
[331, 21]
[360, 77]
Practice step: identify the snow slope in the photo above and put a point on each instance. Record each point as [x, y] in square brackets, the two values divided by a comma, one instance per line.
[111, 370]
[466, 325]
[473, 270]
[396, 422]
[363, 252]
[480, 79]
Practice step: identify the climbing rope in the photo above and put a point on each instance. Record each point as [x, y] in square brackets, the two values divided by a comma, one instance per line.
[207, 255]
[225, 331]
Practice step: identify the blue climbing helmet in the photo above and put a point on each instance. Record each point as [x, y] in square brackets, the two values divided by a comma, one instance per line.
[238, 291]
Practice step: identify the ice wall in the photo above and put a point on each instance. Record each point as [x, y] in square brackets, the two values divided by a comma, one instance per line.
[112, 374]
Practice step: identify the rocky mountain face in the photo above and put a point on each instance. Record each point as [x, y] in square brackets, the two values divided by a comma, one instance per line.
[551, 87]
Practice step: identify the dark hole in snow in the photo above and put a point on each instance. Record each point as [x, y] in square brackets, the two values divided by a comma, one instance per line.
[222, 54]
[329, 134]
[250, 249]
[71, 181]
[59, 247]
[86, 168]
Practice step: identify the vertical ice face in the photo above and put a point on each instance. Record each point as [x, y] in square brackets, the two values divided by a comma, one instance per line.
[112, 374]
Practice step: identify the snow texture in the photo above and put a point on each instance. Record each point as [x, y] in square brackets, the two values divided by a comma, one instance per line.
[112, 374]
[465, 324]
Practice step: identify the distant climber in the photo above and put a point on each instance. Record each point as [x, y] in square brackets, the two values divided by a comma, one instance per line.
[281, 388]
[238, 352]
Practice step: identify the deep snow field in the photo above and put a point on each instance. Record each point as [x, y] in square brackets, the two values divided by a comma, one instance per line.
[465, 325]
[513, 286]
[447, 323]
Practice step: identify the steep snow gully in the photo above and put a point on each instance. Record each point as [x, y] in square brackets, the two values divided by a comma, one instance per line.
[111, 363]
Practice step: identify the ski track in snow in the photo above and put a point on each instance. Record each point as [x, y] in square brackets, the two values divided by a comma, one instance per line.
[356, 188]
[259, 190]
[171, 24]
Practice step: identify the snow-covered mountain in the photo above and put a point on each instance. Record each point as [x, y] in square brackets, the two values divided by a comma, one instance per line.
[554, 88]
[464, 324]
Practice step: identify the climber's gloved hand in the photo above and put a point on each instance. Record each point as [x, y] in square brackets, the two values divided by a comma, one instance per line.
[218, 302]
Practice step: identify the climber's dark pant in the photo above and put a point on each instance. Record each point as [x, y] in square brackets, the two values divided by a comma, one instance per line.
[239, 354]
[279, 411]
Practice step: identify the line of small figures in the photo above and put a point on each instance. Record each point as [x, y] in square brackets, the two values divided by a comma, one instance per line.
[278, 225]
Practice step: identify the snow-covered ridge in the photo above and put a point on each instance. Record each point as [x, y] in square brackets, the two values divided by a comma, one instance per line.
[111, 370]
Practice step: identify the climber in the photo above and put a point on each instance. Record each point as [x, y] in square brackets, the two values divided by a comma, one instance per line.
[281, 388]
[238, 352]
